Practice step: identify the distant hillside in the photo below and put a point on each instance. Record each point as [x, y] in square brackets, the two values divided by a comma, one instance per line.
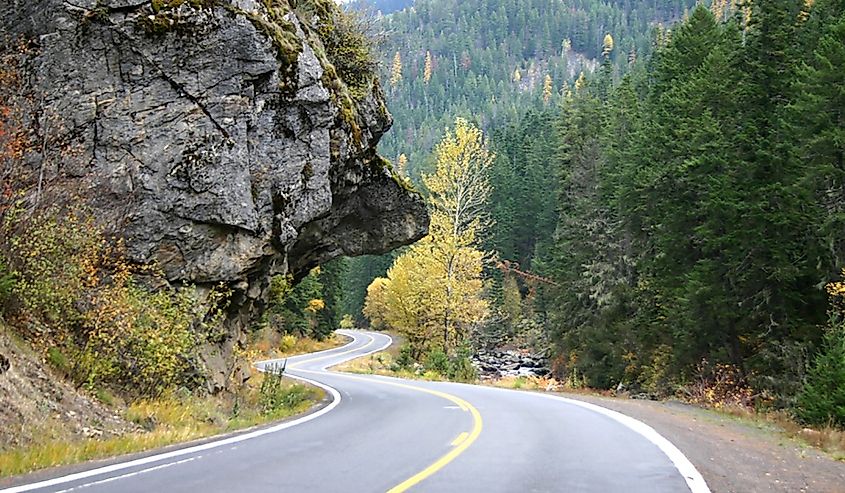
[490, 58]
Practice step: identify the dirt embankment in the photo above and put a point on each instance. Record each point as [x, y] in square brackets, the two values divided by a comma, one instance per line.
[36, 404]
[732, 455]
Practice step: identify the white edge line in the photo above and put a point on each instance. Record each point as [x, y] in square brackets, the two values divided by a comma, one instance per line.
[336, 398]
[695, 481]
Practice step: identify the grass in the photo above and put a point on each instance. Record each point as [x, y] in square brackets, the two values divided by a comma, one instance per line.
[268, 343]
[826, 438]
[160, 422]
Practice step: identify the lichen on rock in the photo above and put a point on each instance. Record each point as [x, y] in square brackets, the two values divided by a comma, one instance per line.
[215, 137]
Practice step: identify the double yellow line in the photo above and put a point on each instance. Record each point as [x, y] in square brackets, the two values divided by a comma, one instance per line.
[460, 444]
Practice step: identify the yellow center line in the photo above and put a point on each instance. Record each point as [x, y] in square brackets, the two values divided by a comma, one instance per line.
[460, 439]
[460, 445]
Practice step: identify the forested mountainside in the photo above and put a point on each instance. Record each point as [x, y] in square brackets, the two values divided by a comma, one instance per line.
[491, 61]
[672, 224]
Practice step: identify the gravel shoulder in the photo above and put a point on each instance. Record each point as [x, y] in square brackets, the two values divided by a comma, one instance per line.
[732, 455]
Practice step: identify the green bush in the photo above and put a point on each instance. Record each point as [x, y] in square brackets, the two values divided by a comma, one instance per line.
[822, 401]
[7, 283]
[405, 359]
[457, 367]
[275, 395]
[58, 360]
[437, 360]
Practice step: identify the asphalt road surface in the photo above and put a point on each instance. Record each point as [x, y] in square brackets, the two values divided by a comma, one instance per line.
[385, 434]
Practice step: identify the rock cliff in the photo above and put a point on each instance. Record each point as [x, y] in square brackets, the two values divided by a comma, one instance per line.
[224, 140]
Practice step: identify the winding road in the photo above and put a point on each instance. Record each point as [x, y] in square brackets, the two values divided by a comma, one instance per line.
[385, 434]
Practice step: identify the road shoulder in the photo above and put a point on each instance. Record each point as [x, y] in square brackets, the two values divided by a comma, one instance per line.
[733, 456]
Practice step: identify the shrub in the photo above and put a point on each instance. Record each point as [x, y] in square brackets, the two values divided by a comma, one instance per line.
[457, 367]
[140, 339]
[56, 255]
[7, 283]
[721, 386]
[58, 360]
[405, 359]
[347, 322]
[349, 49]
[437, 360]
[275, 395]
[288, 342]
[822, 400]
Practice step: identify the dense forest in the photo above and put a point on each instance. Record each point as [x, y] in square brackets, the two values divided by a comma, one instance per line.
[669, 223]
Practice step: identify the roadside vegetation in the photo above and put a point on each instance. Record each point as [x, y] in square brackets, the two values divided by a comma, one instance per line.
[167, 420]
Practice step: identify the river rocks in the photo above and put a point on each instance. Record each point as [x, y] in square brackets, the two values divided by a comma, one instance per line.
[495, 364]
[214, 137]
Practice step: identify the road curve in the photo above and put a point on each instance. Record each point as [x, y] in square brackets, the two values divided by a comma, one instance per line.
[385, 434]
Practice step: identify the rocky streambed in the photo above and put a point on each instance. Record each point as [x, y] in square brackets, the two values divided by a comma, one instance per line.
[491, 364]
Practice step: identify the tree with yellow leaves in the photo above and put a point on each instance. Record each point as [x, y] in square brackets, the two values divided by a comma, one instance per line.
[396, 70]
[432, 293]
[517, 75]
[607, 45]
[581, 83]
[427, 68]
[402, 164]
[547, 89]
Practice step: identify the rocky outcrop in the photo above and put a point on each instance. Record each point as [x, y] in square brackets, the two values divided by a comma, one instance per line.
[215, 136]
[497, 364]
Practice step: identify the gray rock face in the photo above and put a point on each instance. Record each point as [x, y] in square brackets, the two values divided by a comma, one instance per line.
[214, 153]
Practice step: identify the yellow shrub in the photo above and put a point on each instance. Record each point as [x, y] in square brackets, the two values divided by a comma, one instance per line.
[288, 342]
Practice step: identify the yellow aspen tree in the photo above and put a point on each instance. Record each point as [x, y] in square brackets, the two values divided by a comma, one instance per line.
[396, 70]
[433, 292]
[427, 68]
[402, 164]
[805, 10]
[547, 89]
[607, 45]
[581, 82]
[517, 75]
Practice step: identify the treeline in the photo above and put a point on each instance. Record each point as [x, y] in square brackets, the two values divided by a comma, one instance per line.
[488, 60]
[700, 205]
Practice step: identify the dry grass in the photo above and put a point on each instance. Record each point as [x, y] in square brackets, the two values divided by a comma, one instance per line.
[826, 438]
[268, 343]
[166, 421]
